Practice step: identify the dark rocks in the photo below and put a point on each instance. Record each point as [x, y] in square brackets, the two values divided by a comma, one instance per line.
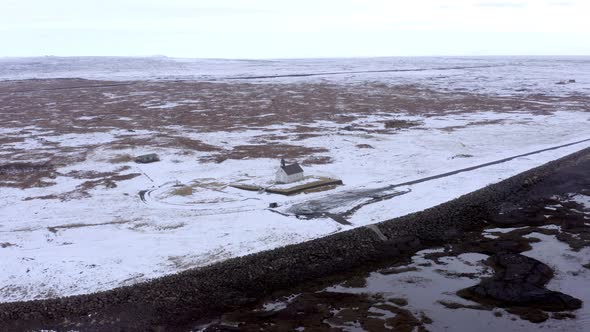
[355, 282]
[399, 301]
[531, 314]
[578, 242]
[520, 281]
[563, 315]
[492, 246]
[564, 82]
[406, 244]
[522, 269]
[397, 270]
[455, 305]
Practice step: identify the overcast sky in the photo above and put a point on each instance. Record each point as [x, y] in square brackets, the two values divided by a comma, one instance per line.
[302, 28]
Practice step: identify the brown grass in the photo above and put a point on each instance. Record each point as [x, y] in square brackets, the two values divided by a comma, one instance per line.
[54, 229]
[121, 158]
[187, 143]
[316, 160]
[222, 107]
[475, 123]
[26, 175]
[401, 124]
[276, 151]
[108, 181]
[170, 227]
[6, 140]
[183, 191]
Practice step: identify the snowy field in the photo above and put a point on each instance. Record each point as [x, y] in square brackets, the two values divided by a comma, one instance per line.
[499, 75]
[72, 219]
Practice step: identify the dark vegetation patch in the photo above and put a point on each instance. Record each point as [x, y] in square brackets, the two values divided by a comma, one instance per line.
[401, 124]
[94, 174]
[107, 180]
[316, 160]
[274, 151]
[462, 155]
[18, 169]
[26, 175]
[474, 123]
[121, 158]
[192, 144]
[55, 229]
[304, 136]
[9, 139]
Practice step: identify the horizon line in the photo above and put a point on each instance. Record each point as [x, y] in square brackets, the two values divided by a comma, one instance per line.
[294, 58]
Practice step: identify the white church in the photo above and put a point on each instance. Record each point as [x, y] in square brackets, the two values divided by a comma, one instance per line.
[289, 173]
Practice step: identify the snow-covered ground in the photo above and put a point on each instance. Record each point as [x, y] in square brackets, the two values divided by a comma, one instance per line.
[502, 75]
[58, 240]
[114, 238]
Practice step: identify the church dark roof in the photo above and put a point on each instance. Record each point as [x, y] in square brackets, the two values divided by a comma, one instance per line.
[292, 169]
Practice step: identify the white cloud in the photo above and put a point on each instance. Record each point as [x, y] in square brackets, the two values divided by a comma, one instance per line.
[265, 28]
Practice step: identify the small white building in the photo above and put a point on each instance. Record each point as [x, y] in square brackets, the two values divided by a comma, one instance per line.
[289, 173]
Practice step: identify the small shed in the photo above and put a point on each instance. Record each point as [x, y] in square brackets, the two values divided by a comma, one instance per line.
[147, 158]
[289, 173]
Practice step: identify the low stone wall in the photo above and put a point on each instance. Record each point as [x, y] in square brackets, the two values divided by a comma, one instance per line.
[304, 187]
[195, 293]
